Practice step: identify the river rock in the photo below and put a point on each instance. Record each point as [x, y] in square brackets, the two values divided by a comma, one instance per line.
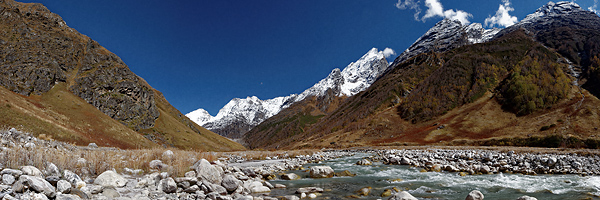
[157, 164]
[526, 198]
[290, 176]
[230, 183]
[364, 191]
[31, 171]
[404, 195]
[291, 197]
[110, 192]
[63, 186]
[207, 172]
[52, 170]
[321, 172]
[67, 197]
[110, 179]
[73, 178]
[309, 190]
[364, 162]
[14, 172]
[8, 179]
[474, 195]
[167, 185]
[34, 183]
[281, 186]
[257, 187]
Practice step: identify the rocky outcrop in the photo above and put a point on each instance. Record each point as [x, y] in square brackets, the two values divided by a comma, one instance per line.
[39, 50]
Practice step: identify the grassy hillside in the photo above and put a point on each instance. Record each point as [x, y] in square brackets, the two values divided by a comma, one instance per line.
[62, 84]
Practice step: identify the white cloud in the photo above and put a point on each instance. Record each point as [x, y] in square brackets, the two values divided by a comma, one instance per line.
[387, 52]
[410, 4]
[435, 9]
[502, 18]
[594, 8]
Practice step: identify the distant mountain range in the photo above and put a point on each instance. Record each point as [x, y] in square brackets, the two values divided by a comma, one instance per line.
[240, 115]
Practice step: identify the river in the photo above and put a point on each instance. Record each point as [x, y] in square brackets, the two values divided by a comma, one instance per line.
[439, 185]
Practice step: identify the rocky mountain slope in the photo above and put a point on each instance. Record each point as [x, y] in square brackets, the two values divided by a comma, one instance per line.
[446, 35]
[55, 80]
[240, 115]
[516, 89]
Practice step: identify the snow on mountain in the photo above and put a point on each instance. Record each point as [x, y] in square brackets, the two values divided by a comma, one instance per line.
[240, 115]
[447, 34]
[200, 116]
[551, 9]
[356, 77]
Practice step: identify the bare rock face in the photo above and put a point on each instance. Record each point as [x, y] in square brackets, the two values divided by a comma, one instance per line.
[38, 51]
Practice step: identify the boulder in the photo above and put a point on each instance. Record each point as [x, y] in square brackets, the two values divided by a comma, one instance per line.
[52, 170]
[36, 184]
[63, 186]
[230, 183]
[526, 198]
[67, 197]
[71, 177]
[207, 172]
[404, 195]
[167, 185]
[8, 179]
[364, 162]
[32, 171]
[291, 197]
[309, 190]
[474, 195]
[157, 164]
[257, 187]
[344, 173]
[110, 192]
[14, 172]
[110, 179]
[290, 176]
[364, 191]
[321, 172]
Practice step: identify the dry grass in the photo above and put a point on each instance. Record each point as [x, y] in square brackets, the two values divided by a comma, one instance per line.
[93, 161]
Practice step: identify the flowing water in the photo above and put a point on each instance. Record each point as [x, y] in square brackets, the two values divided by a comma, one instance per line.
[440, 185]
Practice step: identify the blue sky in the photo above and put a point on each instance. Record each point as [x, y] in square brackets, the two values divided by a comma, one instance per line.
[201, 54]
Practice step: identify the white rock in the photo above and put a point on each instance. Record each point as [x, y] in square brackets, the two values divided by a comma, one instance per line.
[63, 186]
[31, 171]
[527, 198]
[52, 170]
[474, 195]
[404, 195]
[92, 145]
[167, 185]
[312, 196]
[168, 155]
[110, 179]
[207, 172]
[321, 172]
[8, 179]
[67, 197]
[36, 184]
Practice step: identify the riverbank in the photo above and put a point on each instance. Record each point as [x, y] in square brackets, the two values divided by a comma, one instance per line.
[34, 168]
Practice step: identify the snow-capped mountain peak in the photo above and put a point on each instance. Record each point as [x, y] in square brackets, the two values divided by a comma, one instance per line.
[200, 116]
[356, 77]
[552, 9]
[240, 115]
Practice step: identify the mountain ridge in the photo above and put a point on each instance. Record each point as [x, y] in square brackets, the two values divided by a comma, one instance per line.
[240, 115]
